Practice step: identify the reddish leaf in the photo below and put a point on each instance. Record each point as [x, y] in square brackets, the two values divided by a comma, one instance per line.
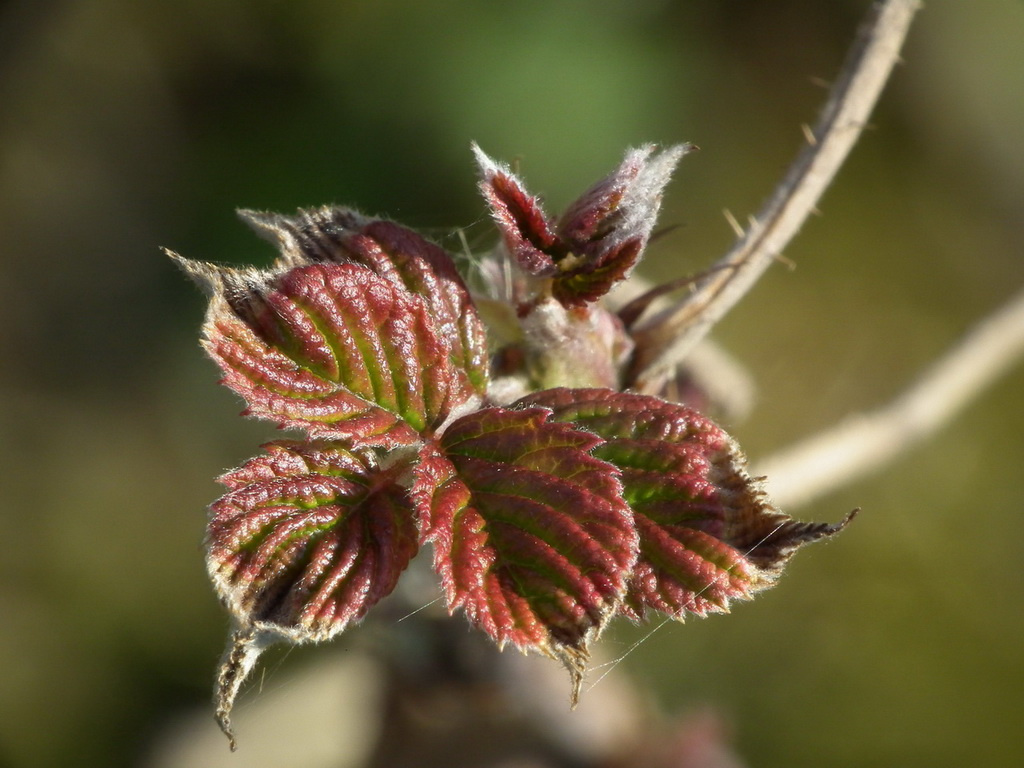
[519, 217]
[531, 537]
[595, 278]
[622, 206]
[340, 235]
[708, 534]
[609, 225]
[334, 349]
[594, 213]
[307, 539]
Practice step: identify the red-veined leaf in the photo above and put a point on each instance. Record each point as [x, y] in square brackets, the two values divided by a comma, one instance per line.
[519, 217]
[531, 537]
[306, 540]
[708, 533]
[334, 349]
[340, 235]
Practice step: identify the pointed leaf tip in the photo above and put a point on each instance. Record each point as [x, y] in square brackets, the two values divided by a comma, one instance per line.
[245, 646]
[520, 219]
[708, 533]
[207, 276]
[610, 225]
[486, 165]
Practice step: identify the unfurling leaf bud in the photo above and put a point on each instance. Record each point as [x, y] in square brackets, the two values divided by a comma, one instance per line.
[599, 238]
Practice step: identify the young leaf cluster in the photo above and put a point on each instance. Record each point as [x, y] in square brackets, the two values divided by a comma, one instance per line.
[548, 513]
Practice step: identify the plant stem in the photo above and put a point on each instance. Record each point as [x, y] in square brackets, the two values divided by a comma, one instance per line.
[866, 442]
[667, 337]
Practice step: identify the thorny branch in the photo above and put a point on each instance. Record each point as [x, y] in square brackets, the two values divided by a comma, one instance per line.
[668, 336]
[869, 441]
[865, 442]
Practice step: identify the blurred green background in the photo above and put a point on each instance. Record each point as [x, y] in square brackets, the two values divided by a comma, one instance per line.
[126, 126]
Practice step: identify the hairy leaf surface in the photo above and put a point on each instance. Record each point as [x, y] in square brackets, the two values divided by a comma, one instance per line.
[531, 537]
[340, 236]
[336, 350]
[527, 233]
[307, 539]
[708, 533]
